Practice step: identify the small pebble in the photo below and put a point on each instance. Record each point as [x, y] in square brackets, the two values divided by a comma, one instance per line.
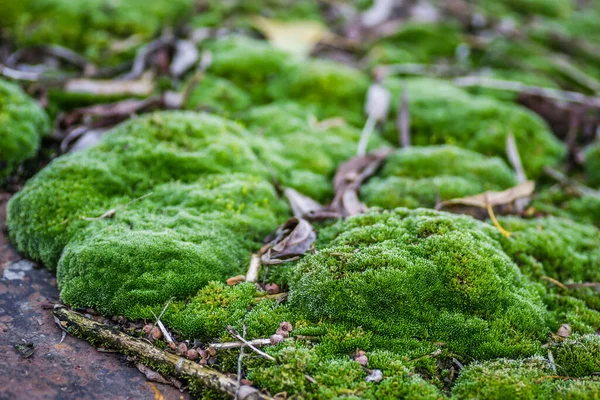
[286, 326]
[362, 360]
[282, 333]
[182, 348]
[202, 353]
[272, 288]
[156, 333]
[191, 354]
[275, 339]
[148, 328]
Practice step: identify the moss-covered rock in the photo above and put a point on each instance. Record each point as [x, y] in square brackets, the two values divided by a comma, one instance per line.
[424, 275]
[442, 113]
[22, 124]
[421, 176]
[91, 26]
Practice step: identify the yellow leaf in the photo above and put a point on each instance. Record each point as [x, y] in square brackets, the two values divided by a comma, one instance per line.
[295, 37]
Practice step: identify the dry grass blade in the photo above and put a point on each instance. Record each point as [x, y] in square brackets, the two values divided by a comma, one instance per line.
[403, 121]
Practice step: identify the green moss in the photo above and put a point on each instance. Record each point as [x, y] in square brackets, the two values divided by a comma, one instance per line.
[217, 95]
[504, 379]
[426, 275]
[442, 113]
[302, 154]
[558, 202]
[592, 165]
[422, 176]
[250, 64]
[92, 26]
[22, 124]
[578, 390]
[418, 43]
[336, 89]
[579, 356]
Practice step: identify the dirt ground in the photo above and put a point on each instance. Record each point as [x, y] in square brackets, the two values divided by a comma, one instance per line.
[69, 370]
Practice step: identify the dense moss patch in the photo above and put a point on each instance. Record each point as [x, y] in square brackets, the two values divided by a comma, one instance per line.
[442, 113]
[91, 26]
[422, 176]
[592, 165]
[424, 275]
[22, 124]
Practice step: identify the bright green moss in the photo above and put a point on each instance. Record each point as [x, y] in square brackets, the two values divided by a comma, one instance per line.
[336, 90]
[579, 356]
[505, 379]
[592, 165]
[303, 154]
[422, 176]
[200, 220]
[427, 275]
[418, 43]
[558, 202]
[217, 95]
[22, 124]
[443, 113]
[339, 377]
[550, 8]
[249, 63]
[92, 26]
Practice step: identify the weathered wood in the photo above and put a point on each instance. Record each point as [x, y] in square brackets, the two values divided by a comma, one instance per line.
[111, 338]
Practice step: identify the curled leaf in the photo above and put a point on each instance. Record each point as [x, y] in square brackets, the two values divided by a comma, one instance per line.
[291, 240]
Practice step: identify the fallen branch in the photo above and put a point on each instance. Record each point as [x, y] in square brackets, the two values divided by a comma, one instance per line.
[236, 335]
[94, 331]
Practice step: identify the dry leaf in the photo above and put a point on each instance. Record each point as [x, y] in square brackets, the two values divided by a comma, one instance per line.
[295, 37]
[564, 331]
[491, 198]
[378, 102]
[301, 205]
[186, 55]
[152, 375]
[291, 240]
[375, 376]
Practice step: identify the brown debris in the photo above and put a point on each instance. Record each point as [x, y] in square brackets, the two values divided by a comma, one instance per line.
[291, 240]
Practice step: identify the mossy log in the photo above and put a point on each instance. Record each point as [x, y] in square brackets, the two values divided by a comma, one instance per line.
[100, 334]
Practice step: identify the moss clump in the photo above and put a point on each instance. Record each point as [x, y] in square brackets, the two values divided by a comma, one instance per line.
[92, 26]
[418, 43]
[558, 202]
[22, 124]
[337, 89]
[217, 95]
[201, 219]
[579, 356]
[425, 275]
[505, 379]
[422, 176]
[302, 153]
[442, 113]
[592, 165]
[250, 64]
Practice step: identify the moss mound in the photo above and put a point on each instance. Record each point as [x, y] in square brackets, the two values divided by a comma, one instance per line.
[90, 26]
[424, 275]
[442, 113]
[421, 176]
[22, 124]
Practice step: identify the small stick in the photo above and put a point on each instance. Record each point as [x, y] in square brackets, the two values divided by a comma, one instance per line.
[111, 339]
[515, 161]
[554, 281]
[403, 120]
[236, 335]
[551, 359]
[365, 134]
[253, 268]
[582, 285]
[549, 93]
[580, 189]
[239, 364]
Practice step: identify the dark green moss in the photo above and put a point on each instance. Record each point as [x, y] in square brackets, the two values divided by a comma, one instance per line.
[217, 95]
[422, 176]
[22, 124]
[579, 356]
[592, 165]
[442, 113]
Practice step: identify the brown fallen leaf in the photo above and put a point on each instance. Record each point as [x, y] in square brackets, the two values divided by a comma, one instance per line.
[295, 37]
[301, 204]
[492, 198]
[348, 179]
[487, 200]
[291, 240]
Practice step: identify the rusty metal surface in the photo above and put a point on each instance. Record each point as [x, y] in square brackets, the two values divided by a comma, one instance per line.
[69, 370]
